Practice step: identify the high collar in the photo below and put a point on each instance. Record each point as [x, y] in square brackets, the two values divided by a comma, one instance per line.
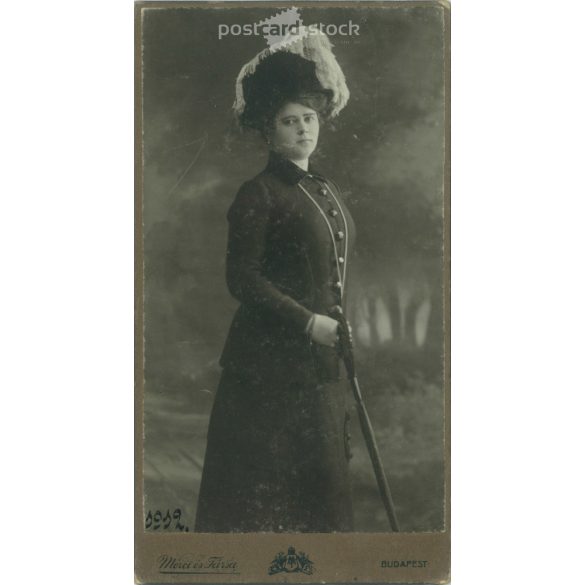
[288, 171]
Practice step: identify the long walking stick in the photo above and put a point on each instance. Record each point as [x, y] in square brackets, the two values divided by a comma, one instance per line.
[346, 351]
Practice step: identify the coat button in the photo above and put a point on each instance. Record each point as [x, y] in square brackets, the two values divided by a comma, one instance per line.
[333, 212]
[341, 259]
[323, 191]
[337, 285]
[339, 236]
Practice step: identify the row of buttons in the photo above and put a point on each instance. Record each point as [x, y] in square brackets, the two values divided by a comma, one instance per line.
[339, 236]
[333, 213]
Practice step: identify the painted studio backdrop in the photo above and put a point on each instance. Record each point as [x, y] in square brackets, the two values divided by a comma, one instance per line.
[386, 151]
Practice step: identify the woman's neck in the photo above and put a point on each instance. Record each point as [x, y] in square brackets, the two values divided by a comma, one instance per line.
[303, 164]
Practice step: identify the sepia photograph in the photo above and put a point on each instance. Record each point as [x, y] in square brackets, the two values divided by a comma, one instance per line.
[292, 242]
[278, 292]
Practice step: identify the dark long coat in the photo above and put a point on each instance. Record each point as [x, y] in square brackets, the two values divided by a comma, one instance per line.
[277, 446]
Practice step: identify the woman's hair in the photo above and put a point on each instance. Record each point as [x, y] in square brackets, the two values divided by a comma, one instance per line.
[316, 101]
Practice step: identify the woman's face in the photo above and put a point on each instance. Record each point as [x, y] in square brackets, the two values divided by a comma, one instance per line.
[296, 132]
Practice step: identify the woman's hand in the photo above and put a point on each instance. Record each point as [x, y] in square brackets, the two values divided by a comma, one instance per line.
[324, 330]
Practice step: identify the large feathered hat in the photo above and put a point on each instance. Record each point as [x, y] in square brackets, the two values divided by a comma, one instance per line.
[294, 69]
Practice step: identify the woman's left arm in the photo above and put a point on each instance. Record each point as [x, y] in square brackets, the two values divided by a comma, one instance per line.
[249, 219]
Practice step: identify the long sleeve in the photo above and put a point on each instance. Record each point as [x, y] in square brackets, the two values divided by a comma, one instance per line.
[249, 220]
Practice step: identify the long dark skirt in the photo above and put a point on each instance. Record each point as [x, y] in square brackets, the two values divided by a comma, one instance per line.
[276, 459]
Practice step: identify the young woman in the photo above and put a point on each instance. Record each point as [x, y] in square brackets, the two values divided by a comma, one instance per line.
[277, 452]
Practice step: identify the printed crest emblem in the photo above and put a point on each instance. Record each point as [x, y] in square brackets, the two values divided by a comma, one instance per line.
[292, 562]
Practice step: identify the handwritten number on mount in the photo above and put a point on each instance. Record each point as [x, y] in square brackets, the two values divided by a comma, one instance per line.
[164, 520]
[177, 516]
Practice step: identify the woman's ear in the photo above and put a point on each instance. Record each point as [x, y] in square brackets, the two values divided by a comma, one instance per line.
[268, 128]
[267, 134]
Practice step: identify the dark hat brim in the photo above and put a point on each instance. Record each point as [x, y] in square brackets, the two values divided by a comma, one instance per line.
[278, 79]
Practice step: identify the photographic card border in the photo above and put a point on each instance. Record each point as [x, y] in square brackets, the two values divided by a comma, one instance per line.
[340, 557]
